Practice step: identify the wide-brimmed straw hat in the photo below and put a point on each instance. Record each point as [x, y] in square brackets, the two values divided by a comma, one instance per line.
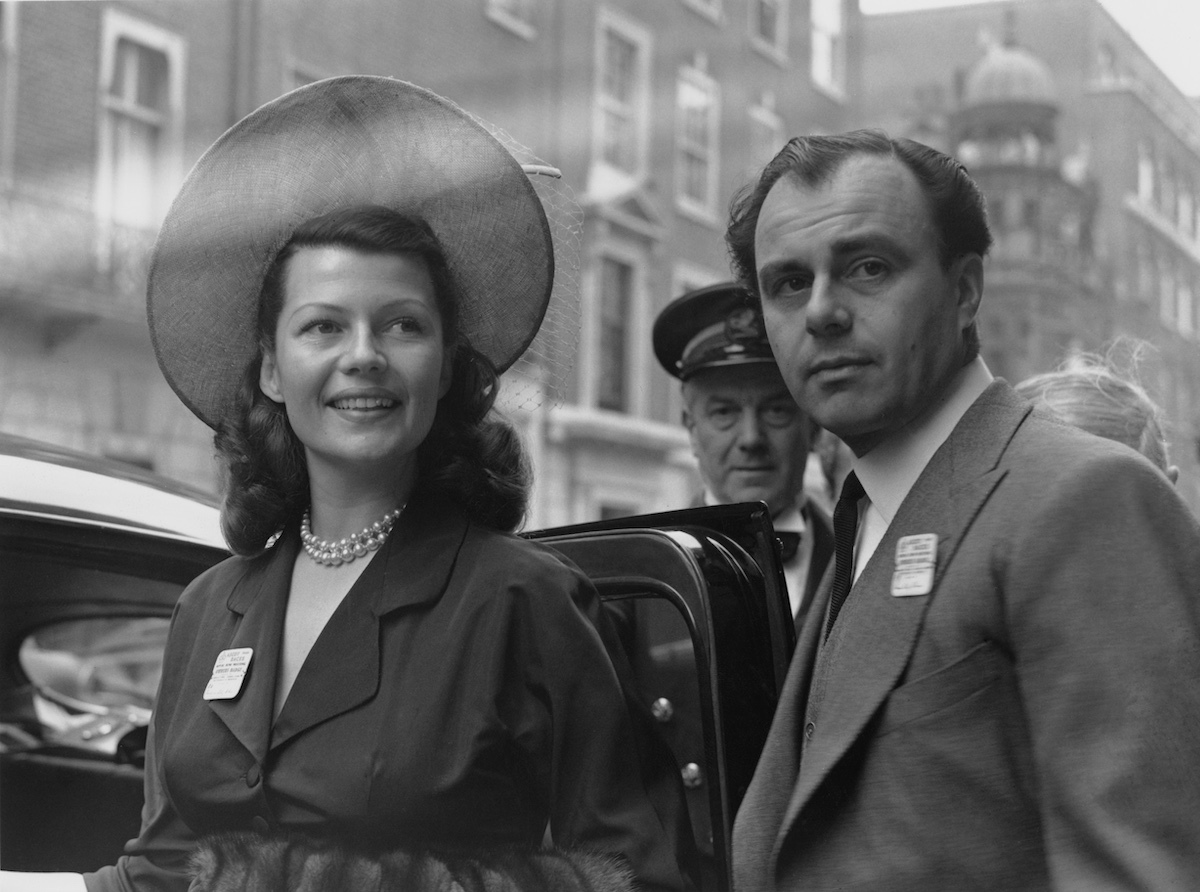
[333, 144]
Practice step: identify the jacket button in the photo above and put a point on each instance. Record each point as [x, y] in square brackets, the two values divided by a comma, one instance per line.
[663, 709]
[253, 776]
[259, 824]
[692, 775]
[808, 730]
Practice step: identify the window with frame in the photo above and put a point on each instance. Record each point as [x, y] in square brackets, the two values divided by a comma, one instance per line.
[622, 93]
[616, 282]
[518, 16]
[696, 141]
[1145, 173]
[1147, 273]
[828, 29]
[1186, 208]
[1186, 320]
[1166, 293]
[1166, 190]
[769, 21]
[140, 98]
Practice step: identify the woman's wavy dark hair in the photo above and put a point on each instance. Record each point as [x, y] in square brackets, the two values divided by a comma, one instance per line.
[470, 457]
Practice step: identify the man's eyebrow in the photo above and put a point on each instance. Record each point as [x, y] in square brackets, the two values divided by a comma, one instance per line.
[777, 268]
[866, 241]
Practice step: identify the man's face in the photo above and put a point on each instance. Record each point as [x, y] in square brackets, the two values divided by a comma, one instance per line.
[750, 438]
[866, 324]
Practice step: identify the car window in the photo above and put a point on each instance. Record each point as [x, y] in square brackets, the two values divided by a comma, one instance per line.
[85, 626]
[99, 662]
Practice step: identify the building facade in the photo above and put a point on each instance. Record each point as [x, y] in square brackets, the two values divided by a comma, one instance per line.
[1090, 160]
[656, 113]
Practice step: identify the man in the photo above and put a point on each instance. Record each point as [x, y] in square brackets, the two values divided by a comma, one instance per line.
[1009, 696]
[750, 439]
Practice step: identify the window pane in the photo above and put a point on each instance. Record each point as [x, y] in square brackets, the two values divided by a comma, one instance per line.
[98, 662]
[140, 75]
[616, 286]
[135, 171]
[618, 141]
[767, 21]
[695, 178]
[620, 59]
[827, 15]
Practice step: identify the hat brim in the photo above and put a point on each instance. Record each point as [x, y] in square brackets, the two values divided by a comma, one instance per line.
[333, 144]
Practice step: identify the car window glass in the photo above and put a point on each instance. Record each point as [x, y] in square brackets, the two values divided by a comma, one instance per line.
[101, 662]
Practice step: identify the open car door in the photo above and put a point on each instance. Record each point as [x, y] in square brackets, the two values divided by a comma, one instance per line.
[700, 604]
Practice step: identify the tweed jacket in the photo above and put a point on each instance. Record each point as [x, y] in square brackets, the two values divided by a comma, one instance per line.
[460, 697]
[1033, 721]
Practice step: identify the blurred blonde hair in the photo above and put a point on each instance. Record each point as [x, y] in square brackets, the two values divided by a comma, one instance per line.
[1091, 392]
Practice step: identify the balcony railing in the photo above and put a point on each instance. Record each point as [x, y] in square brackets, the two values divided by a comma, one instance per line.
[61, 258]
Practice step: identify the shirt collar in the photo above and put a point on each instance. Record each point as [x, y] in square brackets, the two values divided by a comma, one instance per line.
[889, 471]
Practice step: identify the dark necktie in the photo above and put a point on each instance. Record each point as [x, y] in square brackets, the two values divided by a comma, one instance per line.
[845, 525]
[789, 543]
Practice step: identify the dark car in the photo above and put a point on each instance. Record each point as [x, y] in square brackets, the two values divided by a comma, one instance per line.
[94, 554]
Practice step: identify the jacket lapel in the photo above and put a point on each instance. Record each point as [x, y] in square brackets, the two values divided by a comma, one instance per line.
[259, 601]
[870, 645]
[412, 568]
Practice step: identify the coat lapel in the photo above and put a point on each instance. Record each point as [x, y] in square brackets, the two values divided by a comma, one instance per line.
[259, 601]
[870, 645]
[412, 568]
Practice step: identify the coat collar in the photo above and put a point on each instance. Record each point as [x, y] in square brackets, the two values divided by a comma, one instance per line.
[412, 568]
[419, 556]
[874, 636]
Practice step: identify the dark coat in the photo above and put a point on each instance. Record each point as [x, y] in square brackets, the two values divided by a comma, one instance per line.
[1033, 722]
[459, 696]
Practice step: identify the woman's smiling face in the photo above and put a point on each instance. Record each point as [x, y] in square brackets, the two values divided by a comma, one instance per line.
[359, 360]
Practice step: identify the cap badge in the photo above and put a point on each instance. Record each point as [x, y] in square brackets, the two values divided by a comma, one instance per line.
[742, 325]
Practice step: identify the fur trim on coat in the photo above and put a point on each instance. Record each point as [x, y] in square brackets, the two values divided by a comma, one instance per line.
[250, 862]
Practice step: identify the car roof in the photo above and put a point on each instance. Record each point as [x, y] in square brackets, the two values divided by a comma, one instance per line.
[47, 482]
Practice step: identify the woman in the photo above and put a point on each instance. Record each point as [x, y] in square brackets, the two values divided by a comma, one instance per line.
[384, 688]
[1090, 394]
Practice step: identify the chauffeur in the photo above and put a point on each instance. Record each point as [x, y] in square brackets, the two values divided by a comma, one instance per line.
[749, 437]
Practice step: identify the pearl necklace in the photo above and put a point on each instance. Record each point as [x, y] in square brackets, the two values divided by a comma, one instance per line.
[362, 543]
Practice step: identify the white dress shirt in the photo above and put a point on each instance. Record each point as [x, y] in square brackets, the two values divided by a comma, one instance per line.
[889, 471]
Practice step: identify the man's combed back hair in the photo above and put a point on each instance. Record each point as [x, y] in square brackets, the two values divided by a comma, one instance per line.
[956, 205]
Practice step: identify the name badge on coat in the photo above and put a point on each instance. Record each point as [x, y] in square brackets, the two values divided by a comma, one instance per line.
[916, 558]
[228, 673]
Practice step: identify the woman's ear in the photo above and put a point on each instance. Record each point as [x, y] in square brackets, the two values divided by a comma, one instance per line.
[268, 377]
[447, 377]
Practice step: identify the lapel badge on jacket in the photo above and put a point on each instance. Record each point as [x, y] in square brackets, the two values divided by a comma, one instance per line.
[228, 674]
[916, 557]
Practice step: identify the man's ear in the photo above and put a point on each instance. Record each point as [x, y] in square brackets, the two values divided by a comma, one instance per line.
[968, 283]
[268, 377]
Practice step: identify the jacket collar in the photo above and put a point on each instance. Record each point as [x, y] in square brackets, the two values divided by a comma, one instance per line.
[412, 568]
[419, 557]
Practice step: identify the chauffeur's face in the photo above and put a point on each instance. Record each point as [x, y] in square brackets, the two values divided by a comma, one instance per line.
[750, 438]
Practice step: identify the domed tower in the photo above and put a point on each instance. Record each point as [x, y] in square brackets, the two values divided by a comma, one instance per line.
[1043, 297]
